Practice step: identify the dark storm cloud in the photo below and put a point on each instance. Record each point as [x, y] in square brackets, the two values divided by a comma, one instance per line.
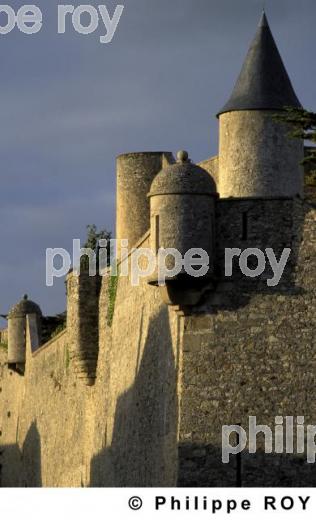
[69, 105]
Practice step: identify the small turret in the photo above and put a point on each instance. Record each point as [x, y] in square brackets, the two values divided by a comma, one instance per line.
[135, 173]
[182, 214]
[257, 157]
[17, 329]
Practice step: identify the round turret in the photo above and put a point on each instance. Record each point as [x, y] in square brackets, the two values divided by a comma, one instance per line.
[257, 155]
[24, 307]
[135, 173]
[17, 328]
[183, 177]
[182, 213]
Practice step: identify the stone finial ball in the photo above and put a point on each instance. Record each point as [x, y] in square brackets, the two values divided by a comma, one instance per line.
[182, 156]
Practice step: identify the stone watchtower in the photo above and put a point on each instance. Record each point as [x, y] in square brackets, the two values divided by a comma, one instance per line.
[17, 331]
[257, 157]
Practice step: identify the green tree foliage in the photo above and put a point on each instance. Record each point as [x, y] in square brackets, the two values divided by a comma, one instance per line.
[112, 290]
[303, 125]
[94, 236]
[92, 242]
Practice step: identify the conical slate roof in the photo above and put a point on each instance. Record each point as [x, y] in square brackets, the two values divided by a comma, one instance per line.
[263, 83]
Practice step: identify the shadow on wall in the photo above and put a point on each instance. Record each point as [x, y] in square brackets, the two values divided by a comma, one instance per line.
[261, 224]
[202, 466]
[143, 451]
[31, 458]
[256, 361]
[22, 468]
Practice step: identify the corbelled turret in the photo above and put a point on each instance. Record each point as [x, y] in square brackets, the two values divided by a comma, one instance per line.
[257, 158]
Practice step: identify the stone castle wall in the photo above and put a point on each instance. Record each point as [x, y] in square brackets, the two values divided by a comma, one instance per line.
[211, 165]
[56, 430]
[251, 352]
[166, 382]
[4, 336]
[139, 367]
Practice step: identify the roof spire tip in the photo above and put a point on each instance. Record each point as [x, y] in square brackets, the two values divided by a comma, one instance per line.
[263, 20]
[263, 83]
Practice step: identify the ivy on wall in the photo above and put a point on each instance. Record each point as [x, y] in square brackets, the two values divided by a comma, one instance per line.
[112, 290]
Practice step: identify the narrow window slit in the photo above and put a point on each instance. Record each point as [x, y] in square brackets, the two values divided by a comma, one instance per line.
[244, 235]
[157, 230]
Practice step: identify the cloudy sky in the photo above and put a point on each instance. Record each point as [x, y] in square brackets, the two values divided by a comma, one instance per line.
[69, 105]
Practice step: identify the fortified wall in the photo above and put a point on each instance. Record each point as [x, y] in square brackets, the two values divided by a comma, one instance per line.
[137, 387]
[60, 428]
[165, 382]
